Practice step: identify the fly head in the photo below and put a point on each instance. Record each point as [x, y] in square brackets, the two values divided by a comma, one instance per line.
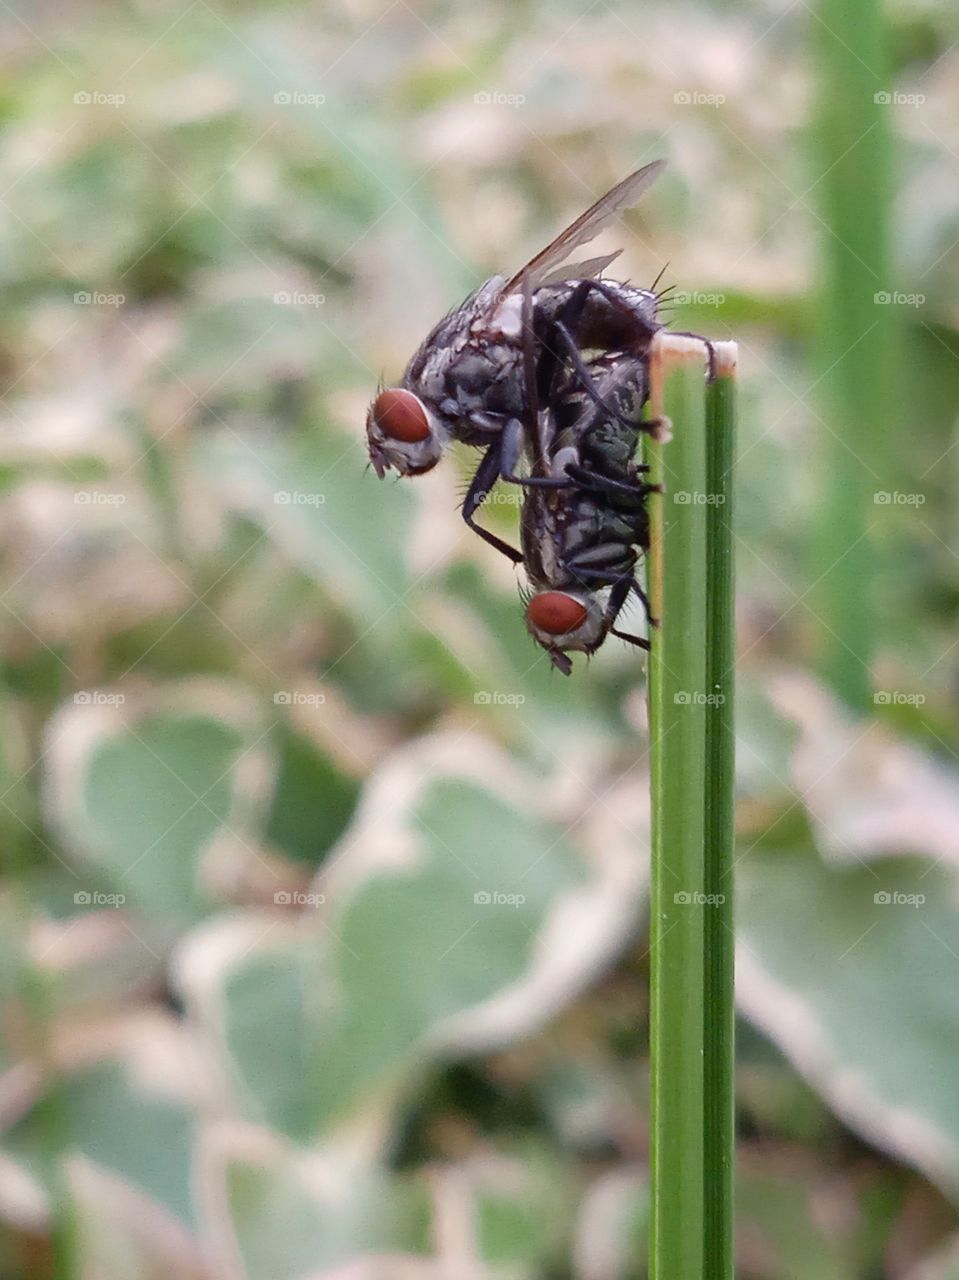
[564, 622]
[403, 433]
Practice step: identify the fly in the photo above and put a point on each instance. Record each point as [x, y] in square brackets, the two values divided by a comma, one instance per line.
[584, 519]
[486, 364]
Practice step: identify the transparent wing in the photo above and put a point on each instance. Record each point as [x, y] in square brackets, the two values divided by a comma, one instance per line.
[581, 270]
[589, 224]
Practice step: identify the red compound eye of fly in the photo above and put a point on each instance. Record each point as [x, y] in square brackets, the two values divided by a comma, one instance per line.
[555, 613]
[399, 415]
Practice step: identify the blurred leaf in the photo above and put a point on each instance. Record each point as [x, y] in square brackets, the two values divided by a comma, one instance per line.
[865, 1009]
[944, 1266]
[122, 1121]
[312, 801]
[141, 796]
[445, 874]
[320, 505]
[612, 1227]
[784, 1226]
[867, 792]
[291, 1215]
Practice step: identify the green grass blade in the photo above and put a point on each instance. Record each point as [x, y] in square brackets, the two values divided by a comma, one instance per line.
[691, 734]
[719, 1128]
[677, 679]
[854, 339]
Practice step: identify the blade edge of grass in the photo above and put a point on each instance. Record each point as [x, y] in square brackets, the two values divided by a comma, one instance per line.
[677, 682]
[719, 1045]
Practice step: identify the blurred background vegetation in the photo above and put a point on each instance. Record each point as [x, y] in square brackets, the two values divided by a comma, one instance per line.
[323, 934]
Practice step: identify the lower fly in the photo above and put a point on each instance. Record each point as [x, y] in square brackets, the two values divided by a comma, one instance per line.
[584, 519]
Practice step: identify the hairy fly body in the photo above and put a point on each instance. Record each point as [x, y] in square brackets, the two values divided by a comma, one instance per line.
[584, 520]
[479, 374]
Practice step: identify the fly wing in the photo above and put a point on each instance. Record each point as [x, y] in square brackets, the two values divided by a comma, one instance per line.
[581, 270]
[589, 224]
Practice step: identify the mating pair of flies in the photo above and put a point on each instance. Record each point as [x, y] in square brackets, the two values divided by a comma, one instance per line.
[547, 373]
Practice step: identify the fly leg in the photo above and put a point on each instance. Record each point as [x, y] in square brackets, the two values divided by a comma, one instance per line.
[510, 450]
[610, 295]
[636, 332]
[487, 473]
[617, 598]
[551, 359]
[565, 325]
[599, 483]
[634, 586]
[586, 381]
[710, 350]
[622, 584]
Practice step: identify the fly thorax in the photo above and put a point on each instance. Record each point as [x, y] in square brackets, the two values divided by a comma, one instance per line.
[505, 320]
